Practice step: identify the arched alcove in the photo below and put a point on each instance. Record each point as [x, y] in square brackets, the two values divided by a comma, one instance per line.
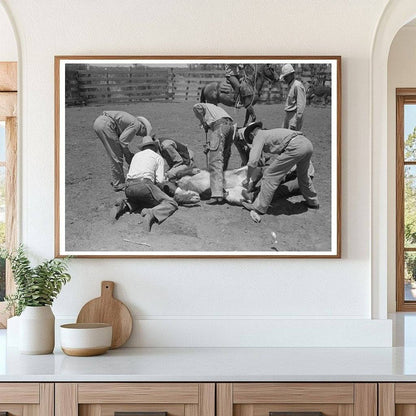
[396, 14]
[401, 73]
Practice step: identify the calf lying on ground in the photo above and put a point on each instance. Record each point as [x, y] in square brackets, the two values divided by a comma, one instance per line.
[234, 184]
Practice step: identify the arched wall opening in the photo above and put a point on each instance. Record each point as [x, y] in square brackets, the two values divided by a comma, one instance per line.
[397, 14]
[401, 73]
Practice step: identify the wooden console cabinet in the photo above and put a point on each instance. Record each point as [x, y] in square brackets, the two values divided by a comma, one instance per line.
[27, 399]
[208, 399]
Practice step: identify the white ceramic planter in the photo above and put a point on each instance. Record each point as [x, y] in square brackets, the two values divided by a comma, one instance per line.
[37, 330]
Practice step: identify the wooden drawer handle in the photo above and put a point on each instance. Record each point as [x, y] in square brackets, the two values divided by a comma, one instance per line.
[139, 414]
[296, 414]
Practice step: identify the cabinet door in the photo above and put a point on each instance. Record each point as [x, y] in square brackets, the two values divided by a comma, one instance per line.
[296, 399]
[26, 399]
[397, 399]
[143, 399]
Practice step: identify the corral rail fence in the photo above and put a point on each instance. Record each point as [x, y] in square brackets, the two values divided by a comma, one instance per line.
[89, 85]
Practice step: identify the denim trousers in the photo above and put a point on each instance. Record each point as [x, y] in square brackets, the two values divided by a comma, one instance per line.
[218, 157]
[106, 130]
[143, 193]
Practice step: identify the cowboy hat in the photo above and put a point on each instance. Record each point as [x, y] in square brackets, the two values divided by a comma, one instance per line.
[146, 124]
[286, 70]
[147, 142]
[247, 130]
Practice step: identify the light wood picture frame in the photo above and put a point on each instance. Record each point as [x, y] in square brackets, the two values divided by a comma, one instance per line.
[91, 219]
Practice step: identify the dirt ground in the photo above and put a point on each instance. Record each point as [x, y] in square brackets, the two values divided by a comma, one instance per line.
[89, 195]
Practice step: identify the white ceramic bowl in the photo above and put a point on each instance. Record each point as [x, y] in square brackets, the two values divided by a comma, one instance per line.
[83, 340]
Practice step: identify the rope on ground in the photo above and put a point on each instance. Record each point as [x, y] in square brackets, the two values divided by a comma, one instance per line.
[136, 242]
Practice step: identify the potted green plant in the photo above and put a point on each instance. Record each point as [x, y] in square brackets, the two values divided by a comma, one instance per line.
[36, 289]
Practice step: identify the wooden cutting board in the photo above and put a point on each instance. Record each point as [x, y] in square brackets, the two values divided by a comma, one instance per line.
[107, 309]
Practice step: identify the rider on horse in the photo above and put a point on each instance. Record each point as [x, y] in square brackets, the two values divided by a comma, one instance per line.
[234, 73]
[249, 83]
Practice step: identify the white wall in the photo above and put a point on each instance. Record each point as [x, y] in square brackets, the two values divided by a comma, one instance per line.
[179, 302]
[401, 74]
[8, 47]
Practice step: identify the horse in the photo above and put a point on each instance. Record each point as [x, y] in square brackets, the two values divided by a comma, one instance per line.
[321, 91]
[251, 84]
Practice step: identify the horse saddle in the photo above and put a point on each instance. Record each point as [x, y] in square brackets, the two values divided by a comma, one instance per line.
[226, 87]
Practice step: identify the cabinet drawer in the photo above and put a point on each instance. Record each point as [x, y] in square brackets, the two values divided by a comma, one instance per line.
[142, 409]
[397, 399]
[138, 393]
[21, 399]
[19, 393]
[296, 399]
[153, 399]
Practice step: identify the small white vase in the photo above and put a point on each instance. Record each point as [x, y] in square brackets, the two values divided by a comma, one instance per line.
[37, 330]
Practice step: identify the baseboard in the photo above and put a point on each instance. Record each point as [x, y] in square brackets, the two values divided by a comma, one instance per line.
[248, 332]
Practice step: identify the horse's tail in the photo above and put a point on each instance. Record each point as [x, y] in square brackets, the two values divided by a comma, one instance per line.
[202, 98]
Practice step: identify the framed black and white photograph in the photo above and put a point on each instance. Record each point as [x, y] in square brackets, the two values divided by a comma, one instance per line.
[198, 156]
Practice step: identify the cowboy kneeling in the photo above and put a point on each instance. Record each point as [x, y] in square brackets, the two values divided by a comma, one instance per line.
[291, 148]
[145, 173]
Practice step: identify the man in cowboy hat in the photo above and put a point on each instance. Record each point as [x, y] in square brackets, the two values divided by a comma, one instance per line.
[145, 173]
[289, 148]
[219, 122]
[116, 130]
[295, 100]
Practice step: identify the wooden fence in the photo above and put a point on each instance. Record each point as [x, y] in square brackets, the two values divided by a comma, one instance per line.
[99, 85]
